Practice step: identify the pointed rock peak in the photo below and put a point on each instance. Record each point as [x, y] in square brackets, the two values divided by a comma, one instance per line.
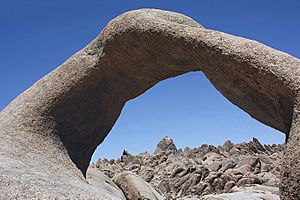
[167, 138]
[257, 143]
[228, 145]
[126, 153]
[166, 145]
[255, 140]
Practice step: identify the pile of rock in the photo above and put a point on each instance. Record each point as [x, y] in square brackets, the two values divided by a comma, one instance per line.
[198, 172]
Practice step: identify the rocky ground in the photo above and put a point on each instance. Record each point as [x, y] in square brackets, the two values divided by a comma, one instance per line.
[231, 171]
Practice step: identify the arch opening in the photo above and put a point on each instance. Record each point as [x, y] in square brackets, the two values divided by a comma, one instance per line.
[132, 144]
[190, 110]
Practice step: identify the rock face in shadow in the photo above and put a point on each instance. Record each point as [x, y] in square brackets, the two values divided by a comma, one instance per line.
[205, 171]
[59, 121]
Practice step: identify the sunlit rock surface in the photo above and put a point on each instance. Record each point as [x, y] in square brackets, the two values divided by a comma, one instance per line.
[49, 132]
[249, 170]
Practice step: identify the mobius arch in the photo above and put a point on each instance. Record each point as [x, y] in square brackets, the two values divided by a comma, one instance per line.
[53, 128]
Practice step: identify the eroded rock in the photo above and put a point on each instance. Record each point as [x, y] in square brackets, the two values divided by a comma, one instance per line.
[59, 121]
[165, 145]
[202, 171]
[136, 188]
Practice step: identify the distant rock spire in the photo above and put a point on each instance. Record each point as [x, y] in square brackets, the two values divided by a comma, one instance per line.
[228, 145]
[166, 145]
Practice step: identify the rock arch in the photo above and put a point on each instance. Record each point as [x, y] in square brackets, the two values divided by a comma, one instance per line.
[58, 122]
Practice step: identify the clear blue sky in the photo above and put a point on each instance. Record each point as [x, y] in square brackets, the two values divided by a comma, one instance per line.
[37, 36]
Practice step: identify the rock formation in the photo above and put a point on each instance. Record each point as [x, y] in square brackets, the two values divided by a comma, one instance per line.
[165, 145]
[208, 172]
[135, 188]
[59, 121]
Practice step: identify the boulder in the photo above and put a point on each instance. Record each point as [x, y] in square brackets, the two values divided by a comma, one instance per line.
[104, 183]
[135, 188]
[146, 173]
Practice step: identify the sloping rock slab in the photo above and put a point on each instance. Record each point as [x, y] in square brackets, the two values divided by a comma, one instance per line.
[102, 182]
[135, 188]
[256, 192]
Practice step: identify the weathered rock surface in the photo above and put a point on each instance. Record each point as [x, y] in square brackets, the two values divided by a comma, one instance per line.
[135, 188]
[255, 192]
[59, 121]
[167, 145]
[103, 183]
[247, 169]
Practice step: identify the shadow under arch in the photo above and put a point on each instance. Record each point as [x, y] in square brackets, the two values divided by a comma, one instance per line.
[73, 108]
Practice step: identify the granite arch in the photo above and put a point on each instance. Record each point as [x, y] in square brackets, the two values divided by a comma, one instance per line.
[69, 112]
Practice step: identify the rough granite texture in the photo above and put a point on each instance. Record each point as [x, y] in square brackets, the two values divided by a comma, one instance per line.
[50, 131]
[256, 192]
[248, 168]
[135, 188]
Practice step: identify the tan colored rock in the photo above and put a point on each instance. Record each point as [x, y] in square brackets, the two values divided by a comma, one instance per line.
[244, 181]
[228, 145]
[165, 145]
[228, 186]
[184, 175]
[135, 188]
[146, 173]
[255, 192]
[61, 119]
[102, 182]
